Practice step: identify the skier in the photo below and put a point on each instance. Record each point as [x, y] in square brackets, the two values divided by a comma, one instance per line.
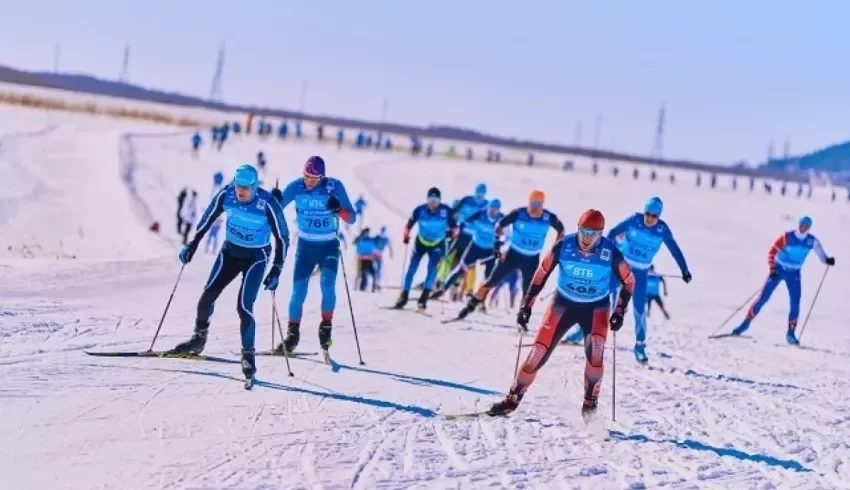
[218, 183]
[181, 198]
[253, 216]
[436, 225]
[188, 214]
[511, 281]
[785, 259]
[586, 261]
[360, 206]
[483, 226]
[320, 201]
[212, 239]
[365, 247]
[642, 236]
[462, 209]
[261, 162]
[654, 282]
[382, 241]
[529, 226]
[196, 143]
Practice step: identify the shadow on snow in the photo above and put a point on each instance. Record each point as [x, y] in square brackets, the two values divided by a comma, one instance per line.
[729, 379]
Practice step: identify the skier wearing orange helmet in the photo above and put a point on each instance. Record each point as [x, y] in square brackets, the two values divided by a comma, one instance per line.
[529, 226]
[587, 262]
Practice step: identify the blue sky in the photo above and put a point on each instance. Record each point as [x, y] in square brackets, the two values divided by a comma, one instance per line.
[734, 75]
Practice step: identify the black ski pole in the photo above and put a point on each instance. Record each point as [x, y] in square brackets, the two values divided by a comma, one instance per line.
[519, 349]
[812, 307]
[276, 317]
[403, 266]
[745, 303]
[351, 309]
[614, 382]
[167, 305]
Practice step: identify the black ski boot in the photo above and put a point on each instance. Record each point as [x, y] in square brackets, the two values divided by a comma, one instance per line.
[423, 299]
[402, 300]
[588, 409]
[325, 334]
[506, 406]
[249, 363]
[469, 308]
[437, 293]
[196, 344]
[293, 335]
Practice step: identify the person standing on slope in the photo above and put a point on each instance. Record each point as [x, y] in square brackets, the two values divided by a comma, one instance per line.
[320, 202]
[188, 214]
[436, 225]
[642, 236]
[462, 209]
[785, 259]
[586, 261]
[382, 242]
[529, 227]
[253, 216]
[654, 283]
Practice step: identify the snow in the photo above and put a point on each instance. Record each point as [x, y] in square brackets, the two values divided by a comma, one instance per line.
[80, 270]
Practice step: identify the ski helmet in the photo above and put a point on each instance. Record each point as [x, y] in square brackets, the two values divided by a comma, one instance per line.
[434, 193]
[592, 219]
[654, 206]
[481, 189]
[314, 167]
[805, 221]
[247, 176]
[536, 198]
[495, 204]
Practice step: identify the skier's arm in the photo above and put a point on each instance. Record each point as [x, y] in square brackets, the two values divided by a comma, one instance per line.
[674, 249]
[627, 279]
[468, 221]
[619, 229]
[664, 283]
[452, 224]
[544, 270]
[508, 220]
[458, 205]
[777, 246]
[274, 213]
[556, 223]
[214, 209]
[288, 194]
[411, 221]
[346, 211]
[821, 253]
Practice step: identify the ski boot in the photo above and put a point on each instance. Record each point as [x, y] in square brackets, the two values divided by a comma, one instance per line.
[640, 353]
[196, 344]
[743, 327]
[293, 335]
[325, 334]
[588, 409]
[482, 308]
[401, 301]
[469, 308]
[249, 366]
[506, 406]
[791, 337]
[423, 300]
[437, 293]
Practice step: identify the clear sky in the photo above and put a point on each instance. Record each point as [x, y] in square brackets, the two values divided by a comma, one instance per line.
[734, 74]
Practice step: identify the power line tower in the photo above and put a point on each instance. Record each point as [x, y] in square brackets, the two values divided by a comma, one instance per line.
[215, 90]
[658, 145]
[125, 65]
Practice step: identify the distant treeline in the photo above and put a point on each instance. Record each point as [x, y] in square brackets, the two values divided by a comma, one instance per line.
[92, 85]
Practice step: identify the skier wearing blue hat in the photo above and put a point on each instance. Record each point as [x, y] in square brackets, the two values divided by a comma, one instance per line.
[642, 235]
[462, 209]
[253, 216]
[785, 259]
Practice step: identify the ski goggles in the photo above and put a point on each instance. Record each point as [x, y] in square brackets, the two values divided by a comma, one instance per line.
[433, 200]
[589, 232]
[651, 215]
[311, 179]
[536, 204]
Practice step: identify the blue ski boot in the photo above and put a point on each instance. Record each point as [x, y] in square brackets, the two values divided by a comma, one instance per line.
[640, 353]
[791, 337]
[743, 327]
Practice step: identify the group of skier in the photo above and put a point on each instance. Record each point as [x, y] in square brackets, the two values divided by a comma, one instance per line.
[597, 275]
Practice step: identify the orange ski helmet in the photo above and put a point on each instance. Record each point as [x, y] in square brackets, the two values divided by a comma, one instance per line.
[536, 196]
[592, 219]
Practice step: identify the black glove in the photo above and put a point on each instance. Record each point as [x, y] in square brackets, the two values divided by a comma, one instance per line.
[273, 277]
[277, 194]
[523, 315]
[830, 261]
[774, 273]
[334, 204]
[450, 233]
[616, 320]
[686, 276]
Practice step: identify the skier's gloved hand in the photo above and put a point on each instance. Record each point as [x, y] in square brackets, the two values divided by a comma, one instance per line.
[686, 276]
[188, 252]
[497, 252]
[334, 204]
[273, 277]
[523, 315]
[616, 320]
[830, 261]
[451, 233]
[277, 194]
[405, 237]
[774, 273]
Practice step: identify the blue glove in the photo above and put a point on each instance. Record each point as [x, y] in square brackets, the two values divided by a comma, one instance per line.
[188, 252]
[273, 277]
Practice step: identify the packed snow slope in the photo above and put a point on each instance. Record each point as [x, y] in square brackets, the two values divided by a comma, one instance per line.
[743, 413]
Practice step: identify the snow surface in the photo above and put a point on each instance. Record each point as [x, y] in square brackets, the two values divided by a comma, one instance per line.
[741, 413]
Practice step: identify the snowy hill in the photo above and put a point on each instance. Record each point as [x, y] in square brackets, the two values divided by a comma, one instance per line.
[81, 271]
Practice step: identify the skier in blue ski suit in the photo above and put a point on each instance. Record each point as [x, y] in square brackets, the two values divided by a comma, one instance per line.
[462, 209]
[382, 242]
[785, 259]
[642, 236]
[436, 225]
[253, 216]
[320, 201]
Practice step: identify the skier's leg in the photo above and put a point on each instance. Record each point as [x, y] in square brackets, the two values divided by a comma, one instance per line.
[252, 279]
[795, 290]
[758, 304]
[594, 324]
[329, 268]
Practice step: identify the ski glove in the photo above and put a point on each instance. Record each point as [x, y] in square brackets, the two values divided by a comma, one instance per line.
[523, 315]
[334, 204]
[273, 277]
[616, 321]
[188, 252]
[774, 273]
[686, 276]
[405, 237]
[830, 261]
[277, 194]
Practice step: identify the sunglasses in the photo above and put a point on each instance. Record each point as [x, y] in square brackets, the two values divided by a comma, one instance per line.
[589, 232]
[536, 204]
[433, 200]
[651, 215]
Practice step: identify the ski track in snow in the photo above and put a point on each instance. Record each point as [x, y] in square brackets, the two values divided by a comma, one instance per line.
[730, 413]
